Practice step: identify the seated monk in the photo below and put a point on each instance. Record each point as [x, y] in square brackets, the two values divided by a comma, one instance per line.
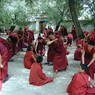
[37, 77]
[77, 54]
[80, 83]
[29, 58]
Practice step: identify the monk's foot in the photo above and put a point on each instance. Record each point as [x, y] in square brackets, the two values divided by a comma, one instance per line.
[55, 73]
[49, 63]
[21, 50]
[62, 70]
[11, 60]
[6, 79]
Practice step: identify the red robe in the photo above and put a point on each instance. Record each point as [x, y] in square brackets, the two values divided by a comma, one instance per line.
[20, 35]
[74, 33]
[60, 61]
[51, 53]
[79, 85]
[87, 58]
[66, 46]
[30, 36]
[77, 54]
[4, 54]
[7, 45]
[63, 31]
[41, 47]
[28, 60]
[14, 43]
[37, 77]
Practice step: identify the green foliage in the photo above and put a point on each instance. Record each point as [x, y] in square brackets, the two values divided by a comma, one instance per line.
[55, 10]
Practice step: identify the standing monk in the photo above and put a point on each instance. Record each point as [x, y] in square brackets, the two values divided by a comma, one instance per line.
[20, 33]
[60, 61]
[3, 62]
[74, 32]
[51, 51]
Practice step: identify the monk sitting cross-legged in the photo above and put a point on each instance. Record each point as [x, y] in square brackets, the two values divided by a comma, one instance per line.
[37, 77]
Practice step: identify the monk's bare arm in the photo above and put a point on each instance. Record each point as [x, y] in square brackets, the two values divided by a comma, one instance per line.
[83, 54]
[50, 42]
[93, 59]
[1, 65]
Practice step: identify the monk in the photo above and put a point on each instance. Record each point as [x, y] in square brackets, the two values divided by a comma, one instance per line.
[80, 83]
[40, 46]
[60, 61]
[37, 77]
[77, 54]
[29, 35]
[14, 42]
[88, 57]
[6, 43]
[3, 62]
[63, 31]
[20, 33]
[51, 52]
[74, 32]
[69, 39]
[29, 58]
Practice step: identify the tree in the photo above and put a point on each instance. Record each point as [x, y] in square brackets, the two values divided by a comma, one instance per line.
[89, 7]
[72, 7]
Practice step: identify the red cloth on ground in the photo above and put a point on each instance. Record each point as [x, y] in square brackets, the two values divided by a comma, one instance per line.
[79, 85]
[60, 61]
[37, 77]
[28, 60]
[4, 54]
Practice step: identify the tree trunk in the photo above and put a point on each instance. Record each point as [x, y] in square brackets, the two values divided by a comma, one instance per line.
[57, 26]
[74, 16]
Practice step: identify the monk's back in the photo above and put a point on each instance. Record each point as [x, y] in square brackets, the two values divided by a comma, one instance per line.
[34, 73]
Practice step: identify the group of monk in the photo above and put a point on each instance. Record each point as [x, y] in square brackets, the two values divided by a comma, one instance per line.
[83, 82]
[16, 40]
[56, 56]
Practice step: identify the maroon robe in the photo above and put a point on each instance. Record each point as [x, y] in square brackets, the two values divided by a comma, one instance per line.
[20, 35]
[77, 54]
[41, 47]
[50, 53]
[30, 36]
[7, 45]
[88, 57]
[63, 31]
[79, 85]
[37, 77]
[74, 33]
[28, 59]
[4, 54]
[60, 61]
[14, 43]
